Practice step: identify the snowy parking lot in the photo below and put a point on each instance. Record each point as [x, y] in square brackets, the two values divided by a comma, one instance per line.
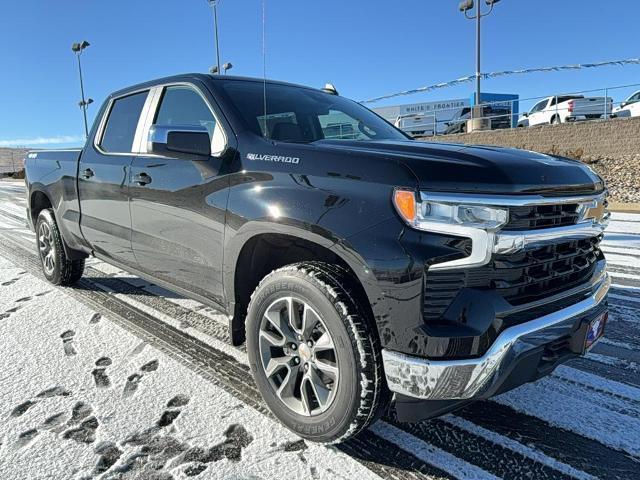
[118, 378]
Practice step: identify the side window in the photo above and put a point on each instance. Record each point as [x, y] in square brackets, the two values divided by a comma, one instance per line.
[539, 106]
[122, 123]
[182, 105]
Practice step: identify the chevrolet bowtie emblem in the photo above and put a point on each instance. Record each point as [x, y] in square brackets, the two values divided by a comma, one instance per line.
[594, 211]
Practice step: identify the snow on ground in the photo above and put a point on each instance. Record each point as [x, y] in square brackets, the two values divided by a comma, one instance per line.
[82, 397]
[79, 393]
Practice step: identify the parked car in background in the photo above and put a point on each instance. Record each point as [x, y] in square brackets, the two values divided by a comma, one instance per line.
[629, 108]
[415, 124]
[568, 108]
[500, 117]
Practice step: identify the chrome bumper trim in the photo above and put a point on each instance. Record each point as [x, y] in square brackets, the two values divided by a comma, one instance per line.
[472, 378]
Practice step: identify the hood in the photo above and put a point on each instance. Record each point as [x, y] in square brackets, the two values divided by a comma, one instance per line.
[479, 168]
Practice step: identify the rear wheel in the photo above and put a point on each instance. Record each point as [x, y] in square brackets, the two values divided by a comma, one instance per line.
[56, 267]
[313, 353]
[555, 120]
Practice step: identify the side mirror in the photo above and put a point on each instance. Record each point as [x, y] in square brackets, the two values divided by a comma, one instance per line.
[623, 104]
[186, 142]
[525, 114]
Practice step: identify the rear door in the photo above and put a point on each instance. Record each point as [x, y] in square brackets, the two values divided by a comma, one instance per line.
[178, 206]
[103, 179]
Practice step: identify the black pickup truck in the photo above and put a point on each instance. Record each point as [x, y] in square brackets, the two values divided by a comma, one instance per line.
[367, 274]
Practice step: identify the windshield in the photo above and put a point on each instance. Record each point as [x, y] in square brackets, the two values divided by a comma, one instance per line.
[304, 115]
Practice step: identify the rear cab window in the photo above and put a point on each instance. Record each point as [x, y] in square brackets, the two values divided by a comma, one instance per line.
[122, 121]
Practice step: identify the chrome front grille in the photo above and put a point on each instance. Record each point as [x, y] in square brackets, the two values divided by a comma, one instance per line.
[534, 217]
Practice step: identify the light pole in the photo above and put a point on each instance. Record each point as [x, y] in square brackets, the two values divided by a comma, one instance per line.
[214, 6]
[466, 6]
[77, 48]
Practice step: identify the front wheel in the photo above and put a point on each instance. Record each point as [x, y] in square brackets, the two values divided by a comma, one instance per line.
[57, 268]
[313, 352]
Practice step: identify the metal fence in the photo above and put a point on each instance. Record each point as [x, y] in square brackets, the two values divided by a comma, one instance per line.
[511, 114]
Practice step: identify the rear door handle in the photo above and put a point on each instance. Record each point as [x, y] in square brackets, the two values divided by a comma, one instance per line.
[88, 173]
[142, 179]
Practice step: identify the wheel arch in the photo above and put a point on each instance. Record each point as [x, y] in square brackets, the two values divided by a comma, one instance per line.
[39, 200]
[267, 249]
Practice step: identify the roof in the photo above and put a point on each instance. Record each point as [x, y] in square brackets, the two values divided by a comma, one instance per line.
[204, 77]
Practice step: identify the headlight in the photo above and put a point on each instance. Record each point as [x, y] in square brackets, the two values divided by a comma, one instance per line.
[419, 213]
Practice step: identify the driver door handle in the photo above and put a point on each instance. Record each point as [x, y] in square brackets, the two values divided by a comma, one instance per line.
[142, 179]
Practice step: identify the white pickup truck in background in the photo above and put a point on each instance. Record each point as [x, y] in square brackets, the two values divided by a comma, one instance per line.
[416, 124]
[567, 108]
[629, 108]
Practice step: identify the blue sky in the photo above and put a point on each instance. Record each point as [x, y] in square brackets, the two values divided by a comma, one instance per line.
[366, 48]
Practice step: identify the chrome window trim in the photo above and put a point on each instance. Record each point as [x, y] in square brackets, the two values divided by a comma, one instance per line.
[97, 140]
[474, 378]
[145, 121]
[153, 110]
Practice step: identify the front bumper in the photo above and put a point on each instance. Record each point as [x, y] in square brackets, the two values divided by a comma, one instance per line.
[484, 376]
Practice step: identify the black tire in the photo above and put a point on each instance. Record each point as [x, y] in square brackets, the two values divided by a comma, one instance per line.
[555, 120]
[58, 269]
[361, 395]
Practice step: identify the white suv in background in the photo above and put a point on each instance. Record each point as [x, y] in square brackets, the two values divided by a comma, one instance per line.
[629, 108]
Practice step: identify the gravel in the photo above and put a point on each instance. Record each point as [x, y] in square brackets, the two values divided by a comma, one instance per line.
[620, 175]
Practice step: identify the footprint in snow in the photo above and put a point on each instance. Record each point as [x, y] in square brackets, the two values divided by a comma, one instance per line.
[10, 282]
[96, 317]
[85, 432]
[79, 412]
[25, 438]
[67, 343]
[173, 411]
[159, 451]
[8, 313]
[109, 455]
[49, 393]
[133, 381]
[23, 299]
[100, 372]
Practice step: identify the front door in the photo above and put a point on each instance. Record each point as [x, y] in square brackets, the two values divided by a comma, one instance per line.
[178, 206]
[103, 180]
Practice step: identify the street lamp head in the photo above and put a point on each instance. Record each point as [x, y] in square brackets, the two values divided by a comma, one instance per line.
[466, 5]
[227, 66]
[491, 2]
[78, 47]
[213, 70]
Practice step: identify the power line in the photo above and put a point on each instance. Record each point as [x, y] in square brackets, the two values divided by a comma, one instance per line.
[504, 73]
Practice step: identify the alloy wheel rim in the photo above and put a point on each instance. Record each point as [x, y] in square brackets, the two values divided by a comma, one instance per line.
[47, 248]
[298, 356]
